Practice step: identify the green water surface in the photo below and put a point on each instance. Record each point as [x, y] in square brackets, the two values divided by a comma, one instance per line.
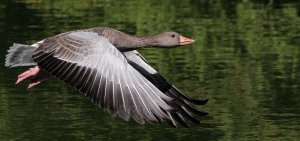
[246, 61]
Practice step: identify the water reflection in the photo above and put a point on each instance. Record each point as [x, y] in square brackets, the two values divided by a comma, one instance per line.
[246, 61]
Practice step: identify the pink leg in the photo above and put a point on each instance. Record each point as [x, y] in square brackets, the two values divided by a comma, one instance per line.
[27, 74]
[37, 80]
[35, 76]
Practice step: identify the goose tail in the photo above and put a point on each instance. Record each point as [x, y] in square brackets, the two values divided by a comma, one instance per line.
[19, 55]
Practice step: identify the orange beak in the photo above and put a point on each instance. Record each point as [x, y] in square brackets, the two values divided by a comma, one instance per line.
[185, 41]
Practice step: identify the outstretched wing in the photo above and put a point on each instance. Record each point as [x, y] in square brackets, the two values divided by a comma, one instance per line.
[185, 111]
[90, 63]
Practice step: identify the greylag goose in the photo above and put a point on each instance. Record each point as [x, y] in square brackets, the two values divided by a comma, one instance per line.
[103, 64]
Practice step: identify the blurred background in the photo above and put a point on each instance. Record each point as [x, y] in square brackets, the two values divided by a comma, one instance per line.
[246, 62]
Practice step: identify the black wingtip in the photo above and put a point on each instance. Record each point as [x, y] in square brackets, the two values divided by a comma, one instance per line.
[188, 115]
[171, 121]
[199, 102]
[180, 119]
[195, 110]
[174, 91]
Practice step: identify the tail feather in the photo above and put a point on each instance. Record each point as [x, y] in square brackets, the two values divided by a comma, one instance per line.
[19, 55]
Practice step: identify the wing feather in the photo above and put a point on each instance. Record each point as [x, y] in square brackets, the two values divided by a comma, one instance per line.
[184, 110]
[92, 65]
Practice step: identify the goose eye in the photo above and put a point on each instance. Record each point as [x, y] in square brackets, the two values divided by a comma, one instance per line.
[173, 35]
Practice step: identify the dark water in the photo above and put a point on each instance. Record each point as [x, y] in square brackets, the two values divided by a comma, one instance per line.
[246, 62]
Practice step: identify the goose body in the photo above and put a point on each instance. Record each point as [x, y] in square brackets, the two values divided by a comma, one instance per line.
[103, 64]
